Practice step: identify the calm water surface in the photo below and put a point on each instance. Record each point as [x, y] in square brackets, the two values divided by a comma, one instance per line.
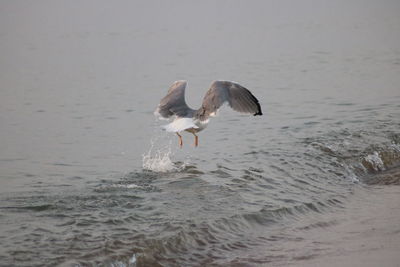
[87, 177]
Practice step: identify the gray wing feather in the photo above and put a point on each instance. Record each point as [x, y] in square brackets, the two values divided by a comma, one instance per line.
[238, 98]
[174, 104]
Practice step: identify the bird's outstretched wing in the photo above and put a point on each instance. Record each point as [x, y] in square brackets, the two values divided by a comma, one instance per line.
[174, 104]
[238, 98]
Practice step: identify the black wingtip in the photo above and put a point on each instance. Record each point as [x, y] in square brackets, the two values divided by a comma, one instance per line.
[255, 100]
[259, 112]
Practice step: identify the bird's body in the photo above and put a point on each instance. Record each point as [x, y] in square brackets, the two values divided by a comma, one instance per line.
[186, 124]
[173, 105]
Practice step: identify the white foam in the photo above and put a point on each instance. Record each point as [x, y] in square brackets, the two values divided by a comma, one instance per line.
[351, 174]
[132, 260]
[375, 161]
[129, 186]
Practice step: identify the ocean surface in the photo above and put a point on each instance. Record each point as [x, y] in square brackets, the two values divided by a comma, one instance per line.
[88, 177]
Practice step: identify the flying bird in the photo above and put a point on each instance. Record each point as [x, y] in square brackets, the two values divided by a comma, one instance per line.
[174, 106]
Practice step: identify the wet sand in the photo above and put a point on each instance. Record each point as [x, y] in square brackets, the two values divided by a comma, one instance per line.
[367, 233]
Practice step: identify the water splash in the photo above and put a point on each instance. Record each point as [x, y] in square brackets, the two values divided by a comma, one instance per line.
[374, 162]
[159, 158]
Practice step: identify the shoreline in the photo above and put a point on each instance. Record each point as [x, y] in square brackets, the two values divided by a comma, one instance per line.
[367, 233]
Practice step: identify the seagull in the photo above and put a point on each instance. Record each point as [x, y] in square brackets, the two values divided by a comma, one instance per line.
[173, 106]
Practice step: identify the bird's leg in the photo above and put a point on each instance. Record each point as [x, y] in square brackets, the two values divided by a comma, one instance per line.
[180, 140]
[196, 140]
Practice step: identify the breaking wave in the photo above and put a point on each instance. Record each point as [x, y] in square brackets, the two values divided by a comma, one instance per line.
[364, 160]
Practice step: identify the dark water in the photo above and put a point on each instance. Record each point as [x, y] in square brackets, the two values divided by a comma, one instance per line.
[88, 178]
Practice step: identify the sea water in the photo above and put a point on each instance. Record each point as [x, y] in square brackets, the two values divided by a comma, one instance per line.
[88, 177]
